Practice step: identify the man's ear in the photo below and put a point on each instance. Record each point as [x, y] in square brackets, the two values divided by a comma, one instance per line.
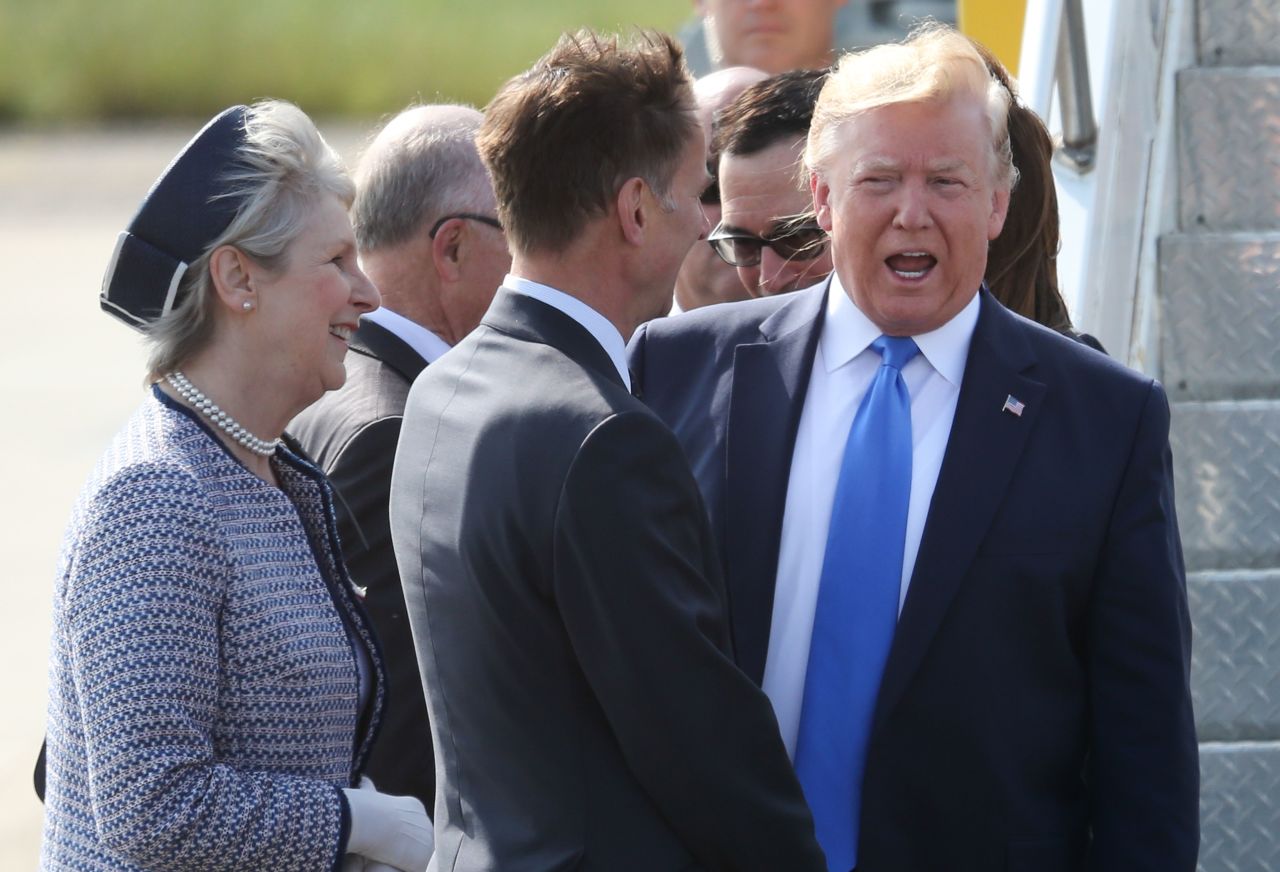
[999, 210]
[632, 217]
[232, 274]
[446, 250]
[821, 192]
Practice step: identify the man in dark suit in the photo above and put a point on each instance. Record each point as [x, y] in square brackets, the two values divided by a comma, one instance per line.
[997, 678]
[560, 575]
[425, 224]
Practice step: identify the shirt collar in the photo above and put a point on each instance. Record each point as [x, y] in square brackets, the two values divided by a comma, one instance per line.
[596, 324]
[847, 332]
[428, 345]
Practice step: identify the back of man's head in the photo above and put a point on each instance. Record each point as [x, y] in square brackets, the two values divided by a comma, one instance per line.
[935, 64]
[776, 109]
[421, 166]
[561, 138]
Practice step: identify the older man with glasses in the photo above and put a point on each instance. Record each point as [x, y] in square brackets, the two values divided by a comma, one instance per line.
[425, 226]
[767, 229]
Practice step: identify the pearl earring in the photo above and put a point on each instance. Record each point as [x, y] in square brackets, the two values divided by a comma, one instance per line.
[247, 305]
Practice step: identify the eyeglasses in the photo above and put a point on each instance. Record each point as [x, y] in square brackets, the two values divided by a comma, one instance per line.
[470, 216]
[792, 240]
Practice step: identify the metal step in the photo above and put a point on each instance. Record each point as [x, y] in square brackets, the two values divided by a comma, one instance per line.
[1229, 148]
[1240, 807]
[1235, 655]
[1239, 32]
[1227, 473]
[1220, 322]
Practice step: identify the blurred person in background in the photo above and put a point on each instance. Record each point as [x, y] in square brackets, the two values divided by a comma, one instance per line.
[767, 228]
[857, 24]
[774, 35]
[704, 278]
[427, 230]
[214, 683]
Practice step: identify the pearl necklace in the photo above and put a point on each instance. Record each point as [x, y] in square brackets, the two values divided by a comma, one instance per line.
[221, 419]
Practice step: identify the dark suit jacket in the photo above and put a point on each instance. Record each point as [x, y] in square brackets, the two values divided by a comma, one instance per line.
[1035, 712]
[569, 611]
[352, 433]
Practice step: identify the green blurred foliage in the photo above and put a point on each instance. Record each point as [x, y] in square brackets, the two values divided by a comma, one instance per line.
[93, 60]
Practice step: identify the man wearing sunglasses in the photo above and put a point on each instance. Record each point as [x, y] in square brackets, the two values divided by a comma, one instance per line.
[425, 226]
[704, 278]
[767, 229]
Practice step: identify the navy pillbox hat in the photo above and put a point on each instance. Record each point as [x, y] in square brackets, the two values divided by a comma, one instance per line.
[185, 210]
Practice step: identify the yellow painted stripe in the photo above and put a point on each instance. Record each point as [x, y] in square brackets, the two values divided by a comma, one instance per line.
[997, 24]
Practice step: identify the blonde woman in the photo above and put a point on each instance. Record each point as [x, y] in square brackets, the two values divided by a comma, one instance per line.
[215, 686]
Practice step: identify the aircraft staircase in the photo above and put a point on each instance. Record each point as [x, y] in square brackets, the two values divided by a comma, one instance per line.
[1219, 329]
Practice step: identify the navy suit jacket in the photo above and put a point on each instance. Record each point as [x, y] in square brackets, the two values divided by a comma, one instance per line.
[1035, 709]
[352, 435]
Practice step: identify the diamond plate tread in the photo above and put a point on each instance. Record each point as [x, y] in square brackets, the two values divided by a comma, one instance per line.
[1229, 148]
[1240, 807]
[1227, 474]
[1235, 655]
[1239, 32]
[1220, 325]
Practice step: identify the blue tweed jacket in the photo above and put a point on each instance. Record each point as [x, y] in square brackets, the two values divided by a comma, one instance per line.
[204, 688]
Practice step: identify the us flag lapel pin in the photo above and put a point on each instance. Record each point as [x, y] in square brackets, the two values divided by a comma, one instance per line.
[1013, 405]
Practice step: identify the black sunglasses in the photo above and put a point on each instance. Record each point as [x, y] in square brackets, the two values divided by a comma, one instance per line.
[791, 240]
[470, 216]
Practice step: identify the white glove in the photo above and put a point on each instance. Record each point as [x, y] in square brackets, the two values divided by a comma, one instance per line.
[355, 863]
[394, 830]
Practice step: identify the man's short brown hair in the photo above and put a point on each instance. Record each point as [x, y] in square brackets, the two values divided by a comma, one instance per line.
[560, 139]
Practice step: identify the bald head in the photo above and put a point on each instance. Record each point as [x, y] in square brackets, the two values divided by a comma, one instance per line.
[421, 166]
[717, 90]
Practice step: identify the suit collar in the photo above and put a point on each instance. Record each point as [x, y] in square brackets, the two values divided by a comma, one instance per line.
[600, 327]
[532, 320]
[429, 345]
[801, 312]
[374, 340]
[982, 454]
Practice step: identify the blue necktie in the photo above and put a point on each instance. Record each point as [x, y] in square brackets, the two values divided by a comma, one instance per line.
[857, 607]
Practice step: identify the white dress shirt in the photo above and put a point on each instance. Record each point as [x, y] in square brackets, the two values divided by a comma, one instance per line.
[596, 324]
[419, 338]
[843, 369]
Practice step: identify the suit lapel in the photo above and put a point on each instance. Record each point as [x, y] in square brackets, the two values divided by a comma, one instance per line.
[982, 453]
[377, 341]
[770, 378]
